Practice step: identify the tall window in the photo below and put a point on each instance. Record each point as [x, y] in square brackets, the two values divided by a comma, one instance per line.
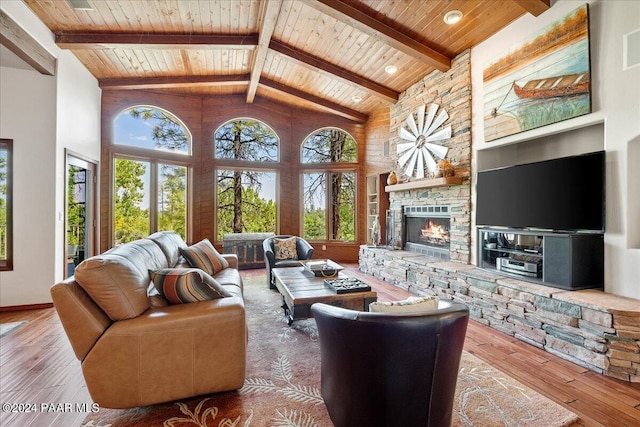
[172, 198]
[246, 202]
[6, 188]
[246, 196]
[150, 190]
[329, 186]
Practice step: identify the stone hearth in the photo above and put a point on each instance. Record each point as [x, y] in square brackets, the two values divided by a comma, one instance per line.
[598, 331]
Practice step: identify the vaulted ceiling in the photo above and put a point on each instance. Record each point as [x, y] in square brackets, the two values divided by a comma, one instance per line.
[328, 55]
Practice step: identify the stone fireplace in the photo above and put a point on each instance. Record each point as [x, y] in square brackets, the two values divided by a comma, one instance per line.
[451, 91]
[427, 230]
[431, 221]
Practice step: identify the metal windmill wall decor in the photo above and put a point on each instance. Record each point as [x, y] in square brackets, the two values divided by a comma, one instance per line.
[420, 149]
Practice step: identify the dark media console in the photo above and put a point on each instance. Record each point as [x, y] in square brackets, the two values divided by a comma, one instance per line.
[568, 261]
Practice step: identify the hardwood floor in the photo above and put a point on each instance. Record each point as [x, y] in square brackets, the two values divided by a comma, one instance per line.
[37, 366]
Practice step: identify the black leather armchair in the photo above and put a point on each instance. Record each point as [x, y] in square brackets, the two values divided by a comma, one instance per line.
[388, 370]
[303, 248]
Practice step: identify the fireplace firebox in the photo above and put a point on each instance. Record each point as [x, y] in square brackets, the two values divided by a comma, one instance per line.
[426, 230]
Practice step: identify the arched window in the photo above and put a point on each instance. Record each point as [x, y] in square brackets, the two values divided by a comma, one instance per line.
[246, 139]
[329, 145]
[152, 128]
[150, 191]
[245, 195]
[329, 186]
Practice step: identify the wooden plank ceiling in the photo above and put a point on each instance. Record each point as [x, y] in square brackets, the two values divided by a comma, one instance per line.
[317, 54]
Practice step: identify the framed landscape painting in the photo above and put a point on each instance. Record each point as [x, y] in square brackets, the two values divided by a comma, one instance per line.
[543, 80]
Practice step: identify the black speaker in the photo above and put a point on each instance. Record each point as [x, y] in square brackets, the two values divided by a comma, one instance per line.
[574, 261]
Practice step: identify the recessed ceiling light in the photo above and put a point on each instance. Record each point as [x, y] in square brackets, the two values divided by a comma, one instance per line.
[391, 69]
[452, 17]
[356, 98]
[80, 4]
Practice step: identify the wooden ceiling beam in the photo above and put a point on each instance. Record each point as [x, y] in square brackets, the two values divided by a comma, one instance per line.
[315, 62]
[18, 41]
[534, 7]
[270, 10]
[332, 107]
[371, 26]
[82, 40]
[173, 81]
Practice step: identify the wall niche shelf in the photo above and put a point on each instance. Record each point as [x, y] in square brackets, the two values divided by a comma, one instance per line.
[564, 260]
[377, 204]
[424, 183]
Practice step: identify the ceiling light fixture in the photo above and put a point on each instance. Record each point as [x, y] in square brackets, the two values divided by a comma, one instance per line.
[356, 98]
[391, 69]
[80, 4]
[452, 17]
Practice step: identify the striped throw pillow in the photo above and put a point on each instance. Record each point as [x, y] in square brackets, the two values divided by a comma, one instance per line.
[204, 256]
[184, 285]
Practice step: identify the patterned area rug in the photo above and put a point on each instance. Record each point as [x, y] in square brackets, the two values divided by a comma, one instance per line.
[6, 328]
[282, 386]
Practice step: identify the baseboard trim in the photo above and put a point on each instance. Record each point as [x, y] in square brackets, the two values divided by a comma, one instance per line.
[26, 307]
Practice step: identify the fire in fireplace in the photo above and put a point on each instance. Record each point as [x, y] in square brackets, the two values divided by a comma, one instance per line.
[435, 233]
[427, 230]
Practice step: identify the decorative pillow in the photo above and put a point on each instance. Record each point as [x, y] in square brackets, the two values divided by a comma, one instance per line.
[410, 305]
[183, 285]
[204, 256]
[285, 248]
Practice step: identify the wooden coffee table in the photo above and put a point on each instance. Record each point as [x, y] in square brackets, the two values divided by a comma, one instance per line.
[300, 289]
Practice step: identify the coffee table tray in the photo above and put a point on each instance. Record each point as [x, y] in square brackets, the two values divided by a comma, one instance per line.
[346, 285]
[322, 267]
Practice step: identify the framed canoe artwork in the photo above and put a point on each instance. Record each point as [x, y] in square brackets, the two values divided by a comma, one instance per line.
[543, 80]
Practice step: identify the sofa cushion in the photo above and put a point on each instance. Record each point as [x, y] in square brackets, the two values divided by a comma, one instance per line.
[144, 254]
[170, 242]
[235, 291]
[410, 305]
[285, 248]
[117, 280]
[115, 284]
[229, 276]
[204, 256]
[184, 285]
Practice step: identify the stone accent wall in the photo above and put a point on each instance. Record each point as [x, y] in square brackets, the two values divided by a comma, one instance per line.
[590, 328]
[451, 91]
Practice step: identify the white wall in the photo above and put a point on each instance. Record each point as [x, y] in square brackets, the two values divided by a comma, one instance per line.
[614, 125]
[27, 115]
[43, 115]
[78, 130]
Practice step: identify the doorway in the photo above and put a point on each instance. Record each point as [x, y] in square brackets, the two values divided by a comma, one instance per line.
[80, 235]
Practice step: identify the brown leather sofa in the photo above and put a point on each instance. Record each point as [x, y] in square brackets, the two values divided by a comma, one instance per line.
[136, 349]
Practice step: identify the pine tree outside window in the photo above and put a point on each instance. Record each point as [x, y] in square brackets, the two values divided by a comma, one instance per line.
[329, 186]
[245, 196]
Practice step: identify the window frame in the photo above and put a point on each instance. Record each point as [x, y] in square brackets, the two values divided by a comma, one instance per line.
[329, 168]
[162, 153]
[275, 172]
[318, 164]
[154, 157]
[7, 263]
[154, 182]
[244, 165]
[222, 160]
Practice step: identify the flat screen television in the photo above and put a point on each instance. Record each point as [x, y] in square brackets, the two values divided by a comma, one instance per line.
[564, 194]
